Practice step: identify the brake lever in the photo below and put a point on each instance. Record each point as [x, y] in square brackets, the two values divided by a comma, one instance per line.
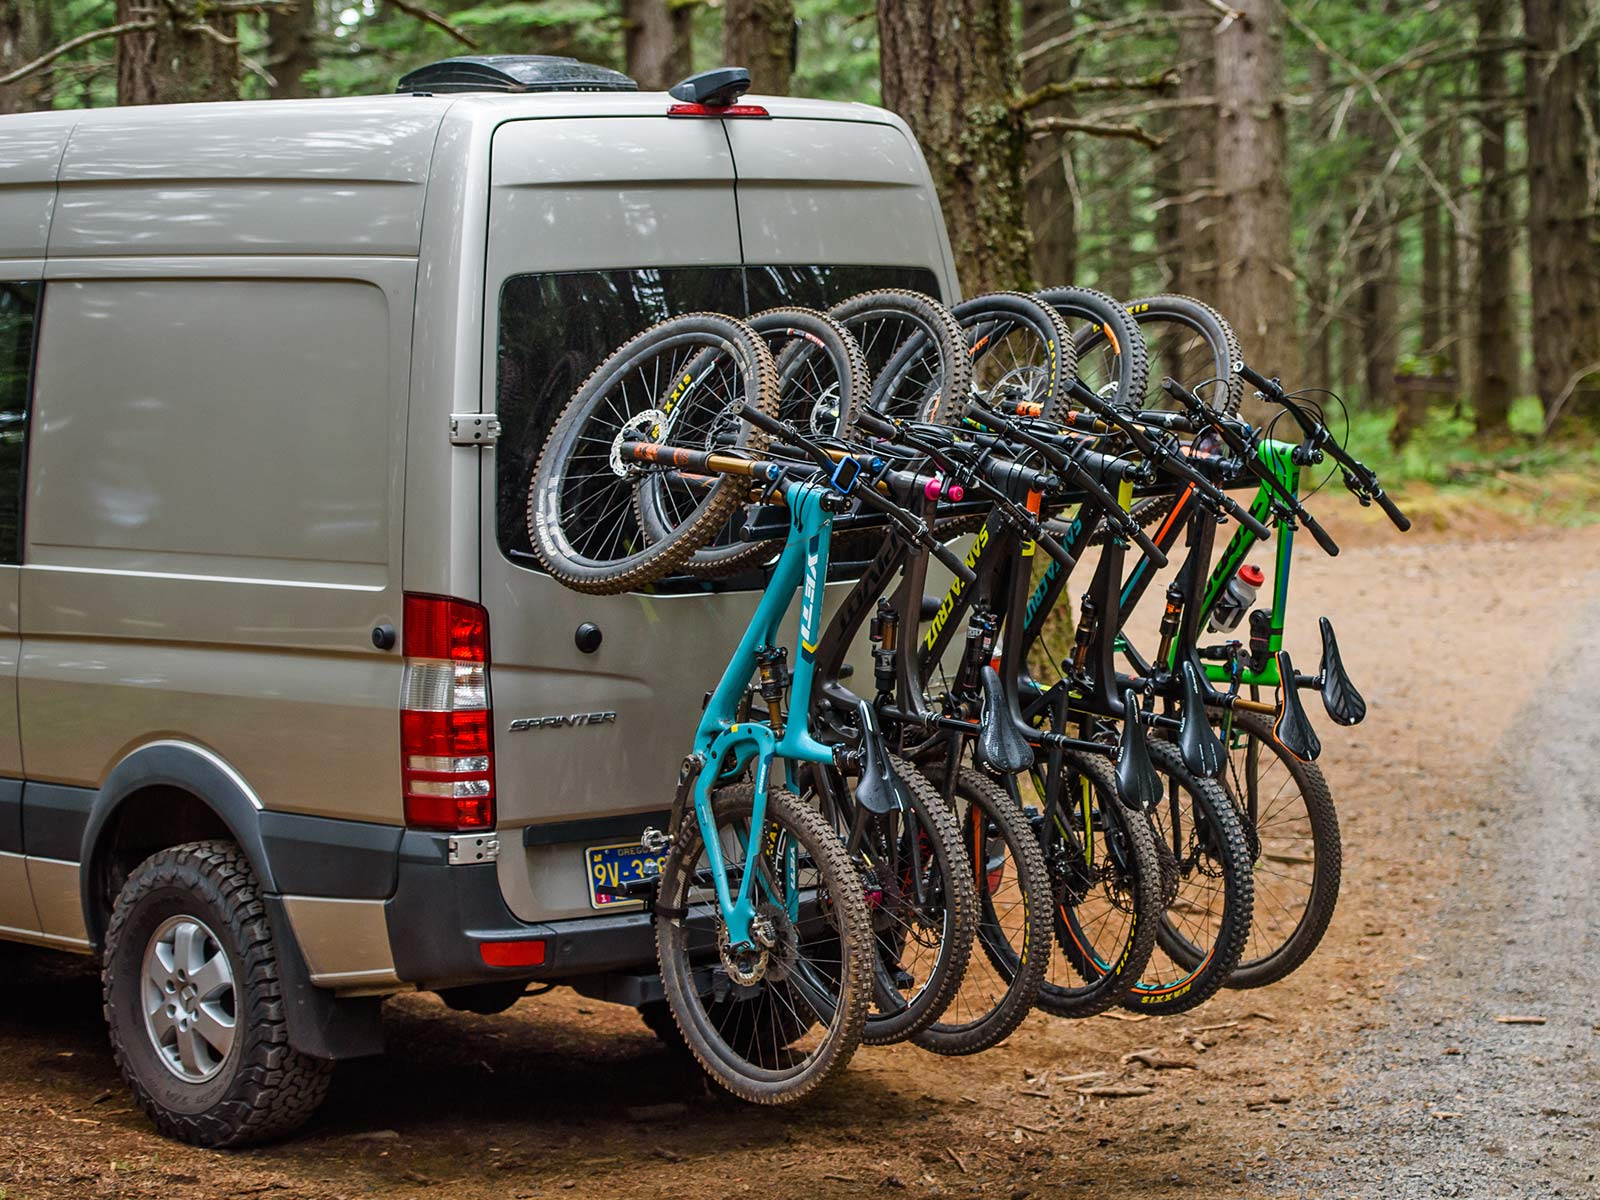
[1271, 389]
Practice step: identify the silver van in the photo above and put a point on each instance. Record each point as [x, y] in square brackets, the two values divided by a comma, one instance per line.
[290, 718]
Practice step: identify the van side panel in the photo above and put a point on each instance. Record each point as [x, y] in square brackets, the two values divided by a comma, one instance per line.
[319, 178]
[213, 482]
[30, 152]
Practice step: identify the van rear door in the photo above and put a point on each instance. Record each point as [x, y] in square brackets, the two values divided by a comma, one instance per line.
[836, 192]
[598, 228]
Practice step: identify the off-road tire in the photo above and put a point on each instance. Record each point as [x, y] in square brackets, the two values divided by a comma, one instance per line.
[1209, 970]
[848, 914]
[1275, 964]
[949, 341]
[655, 558]
[1024, 973]
[266, 1089]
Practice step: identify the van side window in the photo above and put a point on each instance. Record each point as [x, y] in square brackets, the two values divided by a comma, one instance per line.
[555, 328]
[19, 306]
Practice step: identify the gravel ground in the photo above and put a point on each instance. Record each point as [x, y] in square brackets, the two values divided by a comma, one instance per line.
[1336, 1082]
[1443, 1099]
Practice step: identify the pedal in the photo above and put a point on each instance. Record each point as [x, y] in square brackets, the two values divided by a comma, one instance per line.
[1339, 695]
[1293, 727]
[1202, 752]
[1138, 785]
[654, 841]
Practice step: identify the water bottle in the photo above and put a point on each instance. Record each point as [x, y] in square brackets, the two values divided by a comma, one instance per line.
[1236, 599]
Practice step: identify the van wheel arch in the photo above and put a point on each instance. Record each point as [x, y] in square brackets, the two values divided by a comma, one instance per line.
[190, 790]
[161, 795]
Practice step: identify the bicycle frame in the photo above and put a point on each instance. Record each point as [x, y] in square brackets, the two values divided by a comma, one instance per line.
[722, 736]
[1278, 458]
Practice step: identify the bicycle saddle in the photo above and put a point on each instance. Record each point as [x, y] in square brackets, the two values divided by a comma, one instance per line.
[1202, 752]
[1293, 727]
[1138, 785]
[880, 790]
[1001, 747]
[1339, 695]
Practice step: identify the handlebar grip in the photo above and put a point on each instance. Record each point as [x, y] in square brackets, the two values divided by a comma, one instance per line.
[763, 421]
[1401, 521]
[1321, 534]
[874, 423]
[980, 414]
[1152, 551]
[951, 559]
[1248, 519]
[1054, 549]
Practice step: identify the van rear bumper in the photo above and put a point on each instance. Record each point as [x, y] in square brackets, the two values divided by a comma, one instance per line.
[440, 915]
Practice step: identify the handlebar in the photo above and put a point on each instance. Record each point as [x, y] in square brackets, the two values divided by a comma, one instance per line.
[1172, 463]
[1365, 481]
[1247, 455]
[1074, 470]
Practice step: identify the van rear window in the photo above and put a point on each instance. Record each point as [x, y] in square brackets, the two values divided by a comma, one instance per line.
[19, 304]
[555, 328]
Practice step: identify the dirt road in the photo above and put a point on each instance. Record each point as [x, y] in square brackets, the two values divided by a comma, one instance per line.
[1469, 804]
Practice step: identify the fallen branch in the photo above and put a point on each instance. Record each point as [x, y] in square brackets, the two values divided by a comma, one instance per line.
[1115, 1092]
[1044, 126]
[1554, 414]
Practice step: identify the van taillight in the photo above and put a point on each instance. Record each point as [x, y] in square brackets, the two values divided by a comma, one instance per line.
[446, 735]
[715, 110]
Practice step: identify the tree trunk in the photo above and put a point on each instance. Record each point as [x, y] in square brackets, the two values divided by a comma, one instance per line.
[1561, 227]
[1379, 308]
[1320, 247]
[1457, 246]
[26, 32]
[760, 35]
[1431, 219]
[1254, 254]
[656, 37]
[1051, 206]
[175, 64]
[1193, 140]
[292, 49]
[950, 70]
[1495, 349]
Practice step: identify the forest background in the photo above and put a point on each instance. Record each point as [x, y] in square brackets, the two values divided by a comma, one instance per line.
[1397, 201]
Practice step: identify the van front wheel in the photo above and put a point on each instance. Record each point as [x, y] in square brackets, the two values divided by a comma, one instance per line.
[195, 1006]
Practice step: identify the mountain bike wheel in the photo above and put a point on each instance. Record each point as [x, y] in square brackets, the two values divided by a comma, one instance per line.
[1190, 342]
[916, 352]
[822, 377]
[1107, 891]
[1021, 350]
[1116, 367]
[1013, 927]
[681, 383]
[1202, 935]
[921, 898]
[1293, 830]
[818, 970]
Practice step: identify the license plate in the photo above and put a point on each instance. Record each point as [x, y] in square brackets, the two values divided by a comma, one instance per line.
[612, 866]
